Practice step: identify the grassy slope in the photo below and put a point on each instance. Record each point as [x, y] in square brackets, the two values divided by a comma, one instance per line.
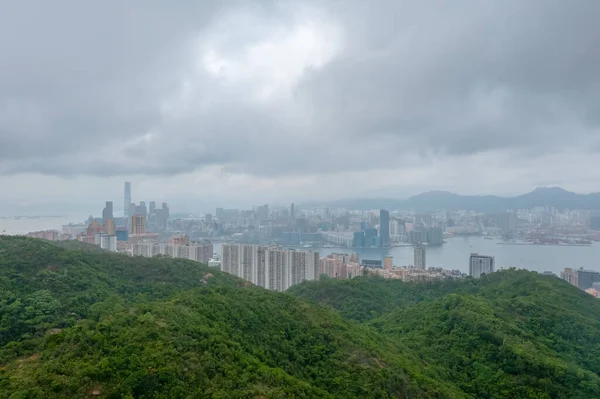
[511, 334]
[76, 324]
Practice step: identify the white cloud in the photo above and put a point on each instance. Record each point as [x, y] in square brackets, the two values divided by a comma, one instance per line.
[281, 100]
[271, 65]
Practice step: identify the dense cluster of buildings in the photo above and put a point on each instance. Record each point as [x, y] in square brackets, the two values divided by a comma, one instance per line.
[255, 238]
[270, 267]
[387, 232]
[341, 228]
[586, 280]
[341, 266]
[140, 231]
[478, 264]
[102, 235]
[50, 235]
[412, 274]
[419, 272]
[345, 228]
[276, 268]
[199, 251]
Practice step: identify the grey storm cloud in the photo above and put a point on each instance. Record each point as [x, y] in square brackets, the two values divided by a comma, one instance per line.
[150, 87]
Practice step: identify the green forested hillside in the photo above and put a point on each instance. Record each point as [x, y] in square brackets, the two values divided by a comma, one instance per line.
[86, 324]
[511, 334]
[365, 299]
[75, 322]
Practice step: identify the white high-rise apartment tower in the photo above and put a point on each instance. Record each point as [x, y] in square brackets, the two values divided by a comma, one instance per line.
[420, 257]
[480, 264]
[273, 268]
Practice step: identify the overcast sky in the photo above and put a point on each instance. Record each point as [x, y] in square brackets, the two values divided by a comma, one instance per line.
[248, 102]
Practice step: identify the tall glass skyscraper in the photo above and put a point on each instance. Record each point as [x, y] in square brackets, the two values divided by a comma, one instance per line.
[370, 237]
[107, 212]
[384, 227]
[359, 239]
[127, 204]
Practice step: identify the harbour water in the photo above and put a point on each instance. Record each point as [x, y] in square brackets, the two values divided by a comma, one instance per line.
[28, 224]
[452, 255]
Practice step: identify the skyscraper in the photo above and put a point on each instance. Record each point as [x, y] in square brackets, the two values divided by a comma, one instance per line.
[506, 222]
[109, 227]
[138, 224]
[293, 211]
[127, 204]
[586, 278]
[108, 242]
[570, 276]
[164, 216]
[370, 237]
[480, 264]
[108, 221]
[420, 257]
[435, 236]
[141, 209]
[107, 212]
[151, 217]
[203, 251]
[262, 212]
[384, 227]
[359, 239]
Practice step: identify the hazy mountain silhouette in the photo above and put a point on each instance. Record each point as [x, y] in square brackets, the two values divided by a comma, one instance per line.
[432, 200]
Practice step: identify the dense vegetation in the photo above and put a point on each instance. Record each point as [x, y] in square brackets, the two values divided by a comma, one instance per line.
[511, 334]
[77, 322]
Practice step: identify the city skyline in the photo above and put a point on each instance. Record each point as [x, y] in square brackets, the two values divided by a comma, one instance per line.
[330, 229]
[69, 208]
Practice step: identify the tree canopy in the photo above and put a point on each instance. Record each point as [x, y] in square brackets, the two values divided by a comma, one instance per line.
[76, 322]
[513, 333]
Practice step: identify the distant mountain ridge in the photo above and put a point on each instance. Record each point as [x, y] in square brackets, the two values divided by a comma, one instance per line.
[432, 200]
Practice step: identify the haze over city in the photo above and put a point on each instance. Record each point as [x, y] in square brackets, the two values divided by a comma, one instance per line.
[235, 103]
[300, 199]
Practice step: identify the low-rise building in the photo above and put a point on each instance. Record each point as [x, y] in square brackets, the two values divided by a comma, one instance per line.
[593, 292]
[50, 235]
